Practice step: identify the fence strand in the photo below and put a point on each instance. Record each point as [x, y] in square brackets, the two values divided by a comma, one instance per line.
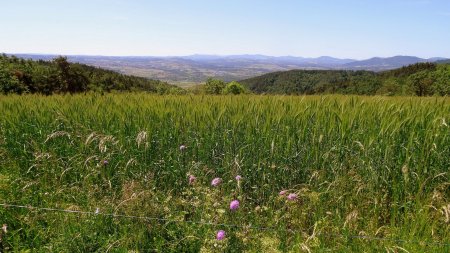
[114, 215]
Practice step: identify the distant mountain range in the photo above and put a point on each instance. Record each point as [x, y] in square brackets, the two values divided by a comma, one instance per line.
[188, 70]
[379, 64]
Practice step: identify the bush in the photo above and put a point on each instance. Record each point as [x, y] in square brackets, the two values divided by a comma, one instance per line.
[234, 88]
[10, 83]
[214, 86]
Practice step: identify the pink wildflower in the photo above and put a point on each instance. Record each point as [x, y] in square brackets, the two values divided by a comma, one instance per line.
[192, 179]
[292, 196]
[216, 181]
[220, 235]
[234, 205]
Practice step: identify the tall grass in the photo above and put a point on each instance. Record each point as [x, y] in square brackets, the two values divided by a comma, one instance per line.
[364, 166]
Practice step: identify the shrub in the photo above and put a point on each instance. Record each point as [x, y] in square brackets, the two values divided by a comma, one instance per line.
[234, 88]
[214, 86]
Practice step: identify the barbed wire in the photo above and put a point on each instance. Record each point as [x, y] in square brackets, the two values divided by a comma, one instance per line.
[261, 228]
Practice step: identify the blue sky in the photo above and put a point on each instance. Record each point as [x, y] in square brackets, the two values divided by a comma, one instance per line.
[341, 28]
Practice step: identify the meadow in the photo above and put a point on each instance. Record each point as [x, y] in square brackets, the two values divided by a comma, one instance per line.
[309, 173]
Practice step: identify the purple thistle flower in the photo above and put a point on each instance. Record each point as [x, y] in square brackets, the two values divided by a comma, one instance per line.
[234, 205]
[192, 179]
[105, 162]
[182, 147]
[216, 181]
[220, 235]
[292, 196]
[238, 178]
[283, 192]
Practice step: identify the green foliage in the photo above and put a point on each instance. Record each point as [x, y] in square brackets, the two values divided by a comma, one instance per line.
[421, 82]
[390, 87]
[441, 77]
[214, 86]
[361, 166]
[234, 88]
[9, 83]
[315, 81]
[421, 79]
[59, 76]
[406, 71]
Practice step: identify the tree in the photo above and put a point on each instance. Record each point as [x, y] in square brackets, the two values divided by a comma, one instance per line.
[442, 81]
[390, 87]
[234, 88]
[45, 80]
[72, 79]
[422, 83]
[214, 86]
[9, 83]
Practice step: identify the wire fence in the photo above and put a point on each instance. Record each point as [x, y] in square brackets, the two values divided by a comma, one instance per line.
[261, 228]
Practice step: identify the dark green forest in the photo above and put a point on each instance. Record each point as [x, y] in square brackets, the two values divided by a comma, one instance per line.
[59, 76]
[421, 79]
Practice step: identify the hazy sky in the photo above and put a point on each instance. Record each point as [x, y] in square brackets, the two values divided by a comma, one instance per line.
[310, 28]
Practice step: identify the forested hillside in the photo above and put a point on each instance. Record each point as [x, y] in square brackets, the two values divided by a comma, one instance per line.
[59, 76]
[421, 79]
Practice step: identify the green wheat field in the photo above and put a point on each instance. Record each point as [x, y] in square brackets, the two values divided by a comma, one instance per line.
[317, 173]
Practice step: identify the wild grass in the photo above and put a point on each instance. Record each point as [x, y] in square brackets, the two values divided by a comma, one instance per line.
[360, 166]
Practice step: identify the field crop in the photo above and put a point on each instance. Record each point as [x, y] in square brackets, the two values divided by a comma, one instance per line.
[295, 174]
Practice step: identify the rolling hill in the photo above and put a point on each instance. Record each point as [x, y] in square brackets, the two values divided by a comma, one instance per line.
[420, 79]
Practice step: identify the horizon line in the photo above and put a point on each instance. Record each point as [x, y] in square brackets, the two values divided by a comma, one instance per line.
[220, 55]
